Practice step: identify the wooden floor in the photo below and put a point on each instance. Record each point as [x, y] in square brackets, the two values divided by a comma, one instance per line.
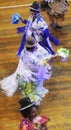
[57, 103]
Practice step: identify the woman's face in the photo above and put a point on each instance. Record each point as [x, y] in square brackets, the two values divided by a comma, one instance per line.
[34, 14]
[33, 112]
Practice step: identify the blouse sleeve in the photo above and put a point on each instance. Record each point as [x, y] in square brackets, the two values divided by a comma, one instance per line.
[23, 125]
[26, 125]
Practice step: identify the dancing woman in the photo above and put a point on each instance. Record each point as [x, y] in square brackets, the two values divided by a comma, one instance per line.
[33, 69]
[37, 27]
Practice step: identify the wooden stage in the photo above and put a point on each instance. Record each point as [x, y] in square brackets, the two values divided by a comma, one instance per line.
[57, 103]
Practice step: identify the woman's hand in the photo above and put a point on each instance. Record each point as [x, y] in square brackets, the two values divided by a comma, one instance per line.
[52, 58]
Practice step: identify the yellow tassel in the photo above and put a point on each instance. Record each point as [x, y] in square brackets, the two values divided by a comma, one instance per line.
[45, 62]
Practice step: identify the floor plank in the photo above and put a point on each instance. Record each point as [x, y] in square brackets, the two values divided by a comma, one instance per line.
[58, 100]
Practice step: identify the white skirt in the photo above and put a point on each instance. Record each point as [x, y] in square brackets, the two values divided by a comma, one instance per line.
[9, 85]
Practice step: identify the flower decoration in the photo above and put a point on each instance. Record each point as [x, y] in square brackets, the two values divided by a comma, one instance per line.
[40, 122]
[15, 18]
[44, 62]
[64, 53]
[29, 89]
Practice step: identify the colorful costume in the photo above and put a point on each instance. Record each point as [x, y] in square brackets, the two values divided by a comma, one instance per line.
[26, 125]
[30, 120]
[43, 38]
[28, 78]
[36, 27]
[37, 123]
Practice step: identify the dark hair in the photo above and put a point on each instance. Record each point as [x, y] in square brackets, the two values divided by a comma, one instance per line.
[30, 49]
